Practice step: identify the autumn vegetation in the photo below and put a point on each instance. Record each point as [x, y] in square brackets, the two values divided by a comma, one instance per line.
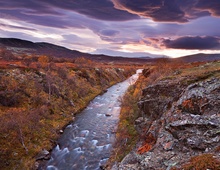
[127, 135]
[39, 95]
[204, 161]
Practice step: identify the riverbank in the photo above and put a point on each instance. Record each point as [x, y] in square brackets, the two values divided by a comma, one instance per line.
[87, 142]
[178, 122]
[37, 103]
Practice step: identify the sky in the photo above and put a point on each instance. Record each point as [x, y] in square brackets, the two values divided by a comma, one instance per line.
[132, 28]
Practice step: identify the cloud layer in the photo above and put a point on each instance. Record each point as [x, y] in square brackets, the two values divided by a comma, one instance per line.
[115, 25]
[200, 43]
[170, 10]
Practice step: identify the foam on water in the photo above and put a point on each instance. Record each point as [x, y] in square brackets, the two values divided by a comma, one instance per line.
[84, 133]
[51, 167]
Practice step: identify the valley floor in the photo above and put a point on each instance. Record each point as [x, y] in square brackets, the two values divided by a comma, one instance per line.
[38, 99]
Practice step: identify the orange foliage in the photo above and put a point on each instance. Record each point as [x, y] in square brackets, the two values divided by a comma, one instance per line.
[217, 149]
[205, 161]
[144, 148]
[84, 62]
[187, 104]
[150, 141]
[43, 60]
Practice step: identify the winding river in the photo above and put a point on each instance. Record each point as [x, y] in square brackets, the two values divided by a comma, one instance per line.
[86, 144]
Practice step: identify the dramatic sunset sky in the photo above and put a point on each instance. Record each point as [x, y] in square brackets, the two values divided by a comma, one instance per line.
[116, 27]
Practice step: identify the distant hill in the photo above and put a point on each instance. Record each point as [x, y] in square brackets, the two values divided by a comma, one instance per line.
[143, 55]
[18, 45]
[42, 48]
[199, 57]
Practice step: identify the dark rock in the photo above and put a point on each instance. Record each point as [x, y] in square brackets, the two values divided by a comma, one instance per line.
[158, 98]
[168, 146]
[108, 114]
[183, 120]
[146, 72]
[43, 155]
[139, 120]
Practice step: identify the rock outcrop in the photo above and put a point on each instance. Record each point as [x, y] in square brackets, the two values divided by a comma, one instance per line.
[179, 121]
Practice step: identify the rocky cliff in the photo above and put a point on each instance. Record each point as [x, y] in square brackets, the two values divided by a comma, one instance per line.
[180, 123]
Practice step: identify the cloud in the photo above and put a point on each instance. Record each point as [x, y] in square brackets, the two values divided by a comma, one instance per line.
[205, 26]
[155, 9]
[125, 25]
[170, 10]
[98, 9]
[107, 32]
[29, 7]
[117, 10]
[212, 6]
[17, 27]
[59, 21]
[190, 43]
[19, 35]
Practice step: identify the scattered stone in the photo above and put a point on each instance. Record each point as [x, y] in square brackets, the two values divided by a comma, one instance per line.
[72, 103]
[139, 120]
[108, 114]
[43, 155]
[168, 146]
[36, 165]
[104, 91]
[15, 154]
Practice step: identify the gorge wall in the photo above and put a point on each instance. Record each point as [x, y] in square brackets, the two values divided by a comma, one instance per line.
[179, 123]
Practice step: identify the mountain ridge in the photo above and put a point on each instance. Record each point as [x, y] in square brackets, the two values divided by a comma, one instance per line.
[44, 48]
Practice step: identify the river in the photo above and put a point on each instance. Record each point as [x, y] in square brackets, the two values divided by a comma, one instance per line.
[86, 144]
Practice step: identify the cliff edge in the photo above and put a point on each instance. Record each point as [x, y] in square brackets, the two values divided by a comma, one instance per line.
[179, 122]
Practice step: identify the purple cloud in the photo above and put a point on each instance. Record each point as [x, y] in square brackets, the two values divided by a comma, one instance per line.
[17, 27]
[108, 32]
[156, 9]
[170, 10]
[212, 6]
[199, 43]
[99, 9]
[118, 23]
[29, 7]
[59, 21]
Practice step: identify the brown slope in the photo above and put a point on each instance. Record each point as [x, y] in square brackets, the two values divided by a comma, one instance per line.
[43, 48]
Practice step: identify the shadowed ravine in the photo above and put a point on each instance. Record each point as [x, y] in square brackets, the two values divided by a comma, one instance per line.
[86, 144]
